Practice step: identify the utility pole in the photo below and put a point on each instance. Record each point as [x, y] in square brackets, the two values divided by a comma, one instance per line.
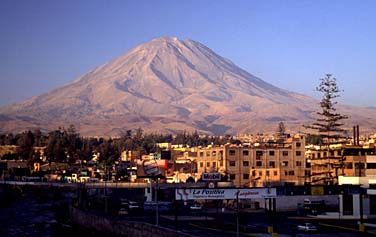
[361, 224]
[156, 202]
[237, 213]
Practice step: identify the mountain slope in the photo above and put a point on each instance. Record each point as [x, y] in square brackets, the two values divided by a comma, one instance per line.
[165, 85]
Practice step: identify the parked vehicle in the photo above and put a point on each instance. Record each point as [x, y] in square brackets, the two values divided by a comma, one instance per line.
[133, 205]
[129, 205]
[307, 227]
[162, 206]
[196, 207]
[123, 211]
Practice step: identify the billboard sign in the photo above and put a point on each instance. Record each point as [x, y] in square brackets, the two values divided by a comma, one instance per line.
[151, 168]
[211, 176]
[215, 194]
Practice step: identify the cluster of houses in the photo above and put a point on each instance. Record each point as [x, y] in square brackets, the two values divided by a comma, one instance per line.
[247, 164]
[262, 162]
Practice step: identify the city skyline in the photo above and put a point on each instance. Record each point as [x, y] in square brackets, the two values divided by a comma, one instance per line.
[290, 44]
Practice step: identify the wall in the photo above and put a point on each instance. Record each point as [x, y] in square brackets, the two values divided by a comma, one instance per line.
[290, 203]
[121, 227]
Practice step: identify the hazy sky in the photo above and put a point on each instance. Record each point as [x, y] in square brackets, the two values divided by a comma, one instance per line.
[291, 44]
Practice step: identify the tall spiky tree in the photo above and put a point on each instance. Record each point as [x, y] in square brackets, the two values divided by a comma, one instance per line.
[329, 129]
[329, 124]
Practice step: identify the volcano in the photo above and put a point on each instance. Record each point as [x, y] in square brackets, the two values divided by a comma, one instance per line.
[166, 85]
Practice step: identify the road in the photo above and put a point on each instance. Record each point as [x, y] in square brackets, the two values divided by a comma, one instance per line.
[212, 222]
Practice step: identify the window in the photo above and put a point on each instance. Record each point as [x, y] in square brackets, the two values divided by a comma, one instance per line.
[232, 152]
[325, 154]
[348, 165]
[207, 153]
[258, 153]
[245, 152]
[260, 173]
[318, 155]
[371, 165]
[331, 153]
[275, 173]
[221, 163]
[272, 164]
[313, 156]
[359, 165]
[268, 173]
[291, 173]
[298, 144]
[245, 163]
[201, 153]
[307, 173]
[285, 163]
[298, 153]
[298, 163]
[271, 153]
[245, 176]
[214, 164]
[207, 164]
[285, 153]
[232, 163]
[214, 153]
[232, 176]
[258, 163]
[339, 153]
[201, 164]
[253, 173]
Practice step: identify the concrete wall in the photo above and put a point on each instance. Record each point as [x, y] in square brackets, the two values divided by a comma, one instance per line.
[356, 207]
[123, 228]
[290, 203]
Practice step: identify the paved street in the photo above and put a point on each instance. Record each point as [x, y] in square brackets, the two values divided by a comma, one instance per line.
[214, 223]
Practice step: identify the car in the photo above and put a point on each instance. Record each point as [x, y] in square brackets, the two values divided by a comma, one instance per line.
[307, 227]
[196, 207]
[122, 212]
[133, 205]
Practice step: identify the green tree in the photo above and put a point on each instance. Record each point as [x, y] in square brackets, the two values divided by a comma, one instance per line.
[25, 144]
[40, 139]
[281, 132]
[55, 150]
[7, 139]
[328, 127]
[329, 124]
[73, 143]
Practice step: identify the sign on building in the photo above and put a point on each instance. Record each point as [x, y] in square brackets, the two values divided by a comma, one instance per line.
[151, 168]
[215, 194]
[211, 176]
[317, 190]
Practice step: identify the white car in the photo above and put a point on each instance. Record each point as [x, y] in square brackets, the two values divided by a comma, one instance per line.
[307, 227]
[196, 207]
[123, 211]
[133, 205]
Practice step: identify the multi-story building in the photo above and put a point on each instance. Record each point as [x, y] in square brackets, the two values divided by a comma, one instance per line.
[281, 163]
[371, 166]
[259, 164]
[211, 159]
[337, 160]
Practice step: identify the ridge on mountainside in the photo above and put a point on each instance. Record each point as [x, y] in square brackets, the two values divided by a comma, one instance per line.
[165, 85]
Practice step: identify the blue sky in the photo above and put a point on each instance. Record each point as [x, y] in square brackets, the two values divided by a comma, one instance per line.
[291, 44]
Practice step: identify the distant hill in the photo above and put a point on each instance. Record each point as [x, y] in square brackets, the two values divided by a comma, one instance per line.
[170, 85]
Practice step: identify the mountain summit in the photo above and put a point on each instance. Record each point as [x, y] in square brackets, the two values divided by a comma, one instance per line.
[165, 85]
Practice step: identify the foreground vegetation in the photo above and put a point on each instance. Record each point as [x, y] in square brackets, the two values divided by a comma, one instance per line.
[66, 145]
